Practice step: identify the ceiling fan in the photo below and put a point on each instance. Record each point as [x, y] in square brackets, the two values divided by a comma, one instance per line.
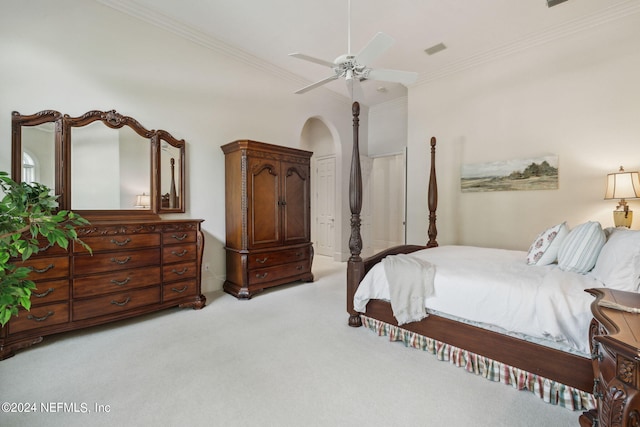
[355, 68]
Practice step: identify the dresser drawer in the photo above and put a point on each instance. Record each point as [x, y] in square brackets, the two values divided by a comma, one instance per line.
[115, 303]
[178, 290]
[173, 237]
[269, 274]
[88, 264]
[50, 291]
[267, 259]
[118, 242]
[46, 268]
[39, 317]
[48, 249]
[183, 270]
[118, 281]
[179, 253]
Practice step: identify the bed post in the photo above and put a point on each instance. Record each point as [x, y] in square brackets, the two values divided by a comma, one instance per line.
[432, 198]
[355, 266]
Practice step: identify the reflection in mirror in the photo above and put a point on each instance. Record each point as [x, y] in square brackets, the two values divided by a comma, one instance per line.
[109, 168]
[38, 154]
[170, 185]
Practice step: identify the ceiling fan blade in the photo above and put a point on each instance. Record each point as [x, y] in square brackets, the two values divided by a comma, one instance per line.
[312, 59]
[316, 84]
[404, 77]
[376, 47]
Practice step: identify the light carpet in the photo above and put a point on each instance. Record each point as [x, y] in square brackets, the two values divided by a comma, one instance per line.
[284, 358]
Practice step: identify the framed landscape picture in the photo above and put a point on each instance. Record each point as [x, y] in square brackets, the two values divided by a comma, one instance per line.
[538, 173]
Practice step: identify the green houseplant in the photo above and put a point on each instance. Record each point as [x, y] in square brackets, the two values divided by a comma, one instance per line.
[27, 211]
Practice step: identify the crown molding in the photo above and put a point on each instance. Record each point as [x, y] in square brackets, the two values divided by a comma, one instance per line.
[153, 17]
[612, 13]
[557, 32]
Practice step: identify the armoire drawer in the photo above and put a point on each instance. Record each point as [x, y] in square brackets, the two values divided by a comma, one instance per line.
[118, 242]
[39, 317]
[50, 291]
[46, 267]
[118, 281]
[115, 303]
[179, 253]
[268, 259]
[178, 290]
[96, 263]
[269, 274]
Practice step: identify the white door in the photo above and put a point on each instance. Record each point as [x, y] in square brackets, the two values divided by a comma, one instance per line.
[325, 205]
[367, 212]
[388, 201]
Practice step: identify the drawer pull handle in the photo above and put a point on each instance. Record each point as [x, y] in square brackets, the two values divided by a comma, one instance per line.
[184, 270]
[298, 254]
[120, 243]
[261, 276]
[262, 260]
[121, 261]
[180, 254]
[121, 304]
[180, 290]
[42, 270]
[181, 238]
[40, 319]
[299, 267]
[44, 294]
[121, 282]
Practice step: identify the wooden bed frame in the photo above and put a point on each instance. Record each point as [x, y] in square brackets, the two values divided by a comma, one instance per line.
[571, 370]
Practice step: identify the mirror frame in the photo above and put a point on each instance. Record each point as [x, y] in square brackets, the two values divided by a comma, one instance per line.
[45, 116]
[63, 146]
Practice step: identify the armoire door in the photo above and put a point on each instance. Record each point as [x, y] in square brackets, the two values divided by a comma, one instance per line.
[264, 202]
[296, 203]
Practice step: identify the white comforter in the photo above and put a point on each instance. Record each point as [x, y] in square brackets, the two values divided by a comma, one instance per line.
[497, 288]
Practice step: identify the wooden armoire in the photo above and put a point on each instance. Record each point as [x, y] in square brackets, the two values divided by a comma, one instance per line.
[268, 210]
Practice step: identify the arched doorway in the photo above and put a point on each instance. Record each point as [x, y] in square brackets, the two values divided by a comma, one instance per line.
[316, 136]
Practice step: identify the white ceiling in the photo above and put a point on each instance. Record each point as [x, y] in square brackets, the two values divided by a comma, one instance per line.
[264, 32]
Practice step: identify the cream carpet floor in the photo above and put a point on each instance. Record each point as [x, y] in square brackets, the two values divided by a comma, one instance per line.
[284, 358]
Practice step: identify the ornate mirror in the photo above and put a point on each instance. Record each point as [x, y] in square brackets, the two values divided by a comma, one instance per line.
[101, 163]
[36, 145]
[171, 173]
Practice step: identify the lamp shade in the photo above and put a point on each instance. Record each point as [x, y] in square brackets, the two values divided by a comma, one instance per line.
[623, 185]
[143, 201]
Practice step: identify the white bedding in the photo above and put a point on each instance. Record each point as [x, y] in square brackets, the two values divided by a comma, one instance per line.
[496, 288]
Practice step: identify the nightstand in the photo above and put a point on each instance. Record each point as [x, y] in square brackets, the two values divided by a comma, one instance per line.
[615, 349]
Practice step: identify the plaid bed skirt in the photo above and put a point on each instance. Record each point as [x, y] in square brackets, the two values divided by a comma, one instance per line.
[549, 391]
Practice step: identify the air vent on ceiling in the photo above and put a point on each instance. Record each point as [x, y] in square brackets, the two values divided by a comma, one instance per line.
[435, 49]
[551, 3]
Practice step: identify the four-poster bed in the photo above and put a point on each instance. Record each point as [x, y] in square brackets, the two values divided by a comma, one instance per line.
[557, 376]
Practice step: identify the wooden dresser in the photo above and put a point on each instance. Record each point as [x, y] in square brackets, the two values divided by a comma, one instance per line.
[268, 209]
[615, 345]
[137, 267]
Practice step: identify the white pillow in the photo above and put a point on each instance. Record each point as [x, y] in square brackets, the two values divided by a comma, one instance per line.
[544, 249]
[580, 249]
[618, 265]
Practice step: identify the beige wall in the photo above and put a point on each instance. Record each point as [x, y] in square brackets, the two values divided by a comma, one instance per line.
[76, 55]
[577, 96]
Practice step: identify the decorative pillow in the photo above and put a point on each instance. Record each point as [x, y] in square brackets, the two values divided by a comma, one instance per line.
[580, 249]
[544, 249]
[618, 265]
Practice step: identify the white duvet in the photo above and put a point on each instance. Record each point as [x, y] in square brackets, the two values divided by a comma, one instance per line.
[496, 288]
